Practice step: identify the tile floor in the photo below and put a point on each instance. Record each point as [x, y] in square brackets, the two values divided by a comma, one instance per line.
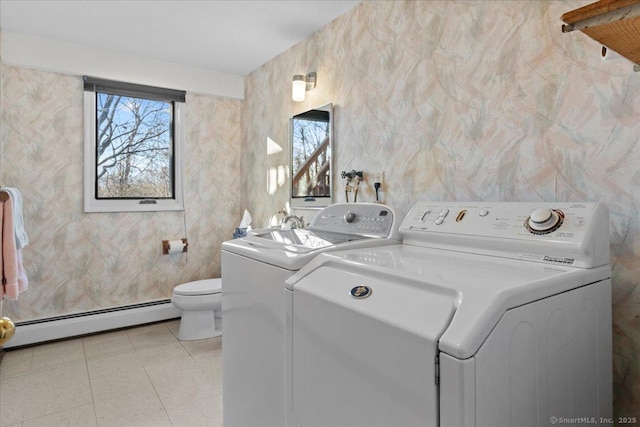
[141, 376]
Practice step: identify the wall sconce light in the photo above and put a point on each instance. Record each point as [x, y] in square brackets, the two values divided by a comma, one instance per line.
[301, 84]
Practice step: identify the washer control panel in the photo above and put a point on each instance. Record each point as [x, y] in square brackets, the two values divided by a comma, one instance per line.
[559, 230]
[366, 219]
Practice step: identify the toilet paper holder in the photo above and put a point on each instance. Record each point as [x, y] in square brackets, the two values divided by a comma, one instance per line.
[166, 246]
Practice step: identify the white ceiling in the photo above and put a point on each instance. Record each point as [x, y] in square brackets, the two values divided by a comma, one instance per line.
[229, 36]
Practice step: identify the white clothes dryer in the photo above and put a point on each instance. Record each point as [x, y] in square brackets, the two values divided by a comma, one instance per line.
[488, 314]
[254, 270]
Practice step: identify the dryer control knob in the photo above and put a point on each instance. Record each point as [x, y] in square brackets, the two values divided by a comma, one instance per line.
[544, 221]
[541, 215]
[349, 216]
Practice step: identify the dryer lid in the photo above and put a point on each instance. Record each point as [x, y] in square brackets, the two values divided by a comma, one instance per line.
[484, 287]
[418, 308]
[199, 287]
[366, 342]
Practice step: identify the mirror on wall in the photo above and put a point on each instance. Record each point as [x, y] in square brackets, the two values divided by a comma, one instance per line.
[311, 172]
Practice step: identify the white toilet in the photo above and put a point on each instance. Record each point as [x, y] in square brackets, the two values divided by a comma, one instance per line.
[201, 305]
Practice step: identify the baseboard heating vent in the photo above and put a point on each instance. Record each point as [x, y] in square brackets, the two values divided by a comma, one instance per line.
[59, 327]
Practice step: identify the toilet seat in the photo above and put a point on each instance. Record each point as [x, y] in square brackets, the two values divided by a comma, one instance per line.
[199, 287]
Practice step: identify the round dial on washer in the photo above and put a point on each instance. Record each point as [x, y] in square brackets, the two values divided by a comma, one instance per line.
[544, 221]
[349, 216]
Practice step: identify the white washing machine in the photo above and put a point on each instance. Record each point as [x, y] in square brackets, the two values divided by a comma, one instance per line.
[254, 270]
[488, 314]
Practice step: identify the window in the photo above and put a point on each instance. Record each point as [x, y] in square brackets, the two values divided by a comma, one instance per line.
[133, 147]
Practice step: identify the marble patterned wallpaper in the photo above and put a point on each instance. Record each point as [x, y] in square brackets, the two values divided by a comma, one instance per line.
[78, 262]
[465, 101]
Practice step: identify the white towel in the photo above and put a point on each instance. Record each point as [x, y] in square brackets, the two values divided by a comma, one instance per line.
[22, 239]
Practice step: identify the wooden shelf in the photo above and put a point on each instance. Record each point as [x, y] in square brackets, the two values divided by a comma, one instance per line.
[613, 23]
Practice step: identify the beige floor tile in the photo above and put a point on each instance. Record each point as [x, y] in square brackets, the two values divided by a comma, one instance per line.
[118, 375]
[213, 372]
[203, 348]
[203, 412]
[174, 326]
[123, 381]
[172, 370]
[13, 400]
[59, 347]
[82, 416]
[179, 387]
[107, 344]
[56, 390]
[52, 355]
[161, 354]
[138, 409]
[16, 362]
[209, 358]
[100, 366]
[135, 377]
[150, 336]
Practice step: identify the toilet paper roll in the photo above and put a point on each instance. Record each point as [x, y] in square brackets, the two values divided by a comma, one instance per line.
[176, 246]
[610, 55]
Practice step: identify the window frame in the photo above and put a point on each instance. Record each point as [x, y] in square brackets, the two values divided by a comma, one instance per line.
[92, 204]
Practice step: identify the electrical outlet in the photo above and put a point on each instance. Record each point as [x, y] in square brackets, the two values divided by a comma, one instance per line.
[378, 177]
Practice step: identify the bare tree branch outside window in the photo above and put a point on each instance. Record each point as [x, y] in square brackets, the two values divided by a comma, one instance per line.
[134, 147]
[310, 157]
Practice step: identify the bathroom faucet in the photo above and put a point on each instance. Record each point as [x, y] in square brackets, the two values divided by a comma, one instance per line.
[296, 221]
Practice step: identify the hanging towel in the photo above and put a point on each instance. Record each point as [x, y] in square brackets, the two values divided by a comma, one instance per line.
[22, 239]
[14, 277]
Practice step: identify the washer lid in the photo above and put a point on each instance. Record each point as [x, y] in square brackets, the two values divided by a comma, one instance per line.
[291, 256]
[303, 240]
[199, 287]
[338, 226]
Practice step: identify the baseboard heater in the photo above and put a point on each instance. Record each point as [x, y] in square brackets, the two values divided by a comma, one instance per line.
[89, 322]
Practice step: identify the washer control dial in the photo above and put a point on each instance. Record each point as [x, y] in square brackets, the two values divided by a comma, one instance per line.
[544, 221]
[349, 216]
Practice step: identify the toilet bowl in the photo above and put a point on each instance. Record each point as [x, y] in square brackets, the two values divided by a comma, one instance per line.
[201, 306]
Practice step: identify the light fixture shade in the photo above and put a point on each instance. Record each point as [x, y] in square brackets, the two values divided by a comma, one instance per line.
[298, 88]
